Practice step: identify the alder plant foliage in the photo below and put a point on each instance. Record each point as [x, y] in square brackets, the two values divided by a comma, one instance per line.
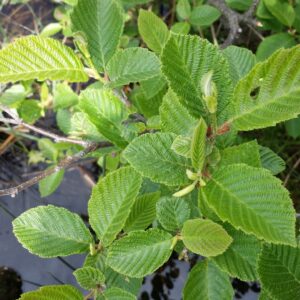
[179, 168]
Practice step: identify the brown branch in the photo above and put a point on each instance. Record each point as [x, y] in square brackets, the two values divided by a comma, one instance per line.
[15, 120]
[234, 19]
[63, 164]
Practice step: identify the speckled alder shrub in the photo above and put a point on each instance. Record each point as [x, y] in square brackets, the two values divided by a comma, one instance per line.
[182, 171]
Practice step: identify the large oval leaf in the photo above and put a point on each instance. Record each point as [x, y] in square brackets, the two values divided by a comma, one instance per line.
[39, 58]
[111, 202]
[140, 253]
[253, 200]
[50, 231]
[205, 237]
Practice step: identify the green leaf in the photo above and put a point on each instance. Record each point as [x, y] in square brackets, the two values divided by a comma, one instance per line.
[111, 202]
[271, 161]
[270, 93]
[148, 101]
[132, 65]
[293, 127]
[198, 147]
[115, 293]
[51, 29]
[129, 284]
[241, 61]
[106, 112]
[272, 43]
[207, 281]
[204, 15]
[279, 271]
[140, 253]
[143, 212]
[172, 212]
[89, 278]
[50, 231]
[48, 148]
[153, 30]
[30, 111]
[182, 146]
[240, 259]
[181, 28]
[102, 23]
[185, 60]
[151, 155]
[49, 185]
[249, 198]
[241, 5]
[282, 10]
[13, 96]
[54, 292]
[246, 153]
[205, 237]
[35, 57]
[175, 117]
[183, 9]
[63, 96]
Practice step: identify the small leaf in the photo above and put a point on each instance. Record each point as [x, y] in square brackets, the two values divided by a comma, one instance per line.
[106, 112]
[115, 293]
[132, 65]
[282, 10]
[205, 237]
[198, 147]
[89, 278]
[143, 212]
[249, 198]
[111, 202]
[207, 281]
[153, 30]
[172, 213]
[30, 111]
[63, 96]
[279, 271]
[246, 153]
[151, 155]
[49, 185]
[241, 61]
[175, 117]
[204, 15]
[102, 23]
[35, 57]
[182, 146]
[272, 43]
[293, 127]
[140, 253]
[54, 292]
[271, 161]
[240, 259]
[183, 9]
[50, 231]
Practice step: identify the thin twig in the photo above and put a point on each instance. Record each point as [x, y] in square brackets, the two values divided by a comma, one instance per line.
[17, 121]
[295, 166]
[63, 164]
[234, 19]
